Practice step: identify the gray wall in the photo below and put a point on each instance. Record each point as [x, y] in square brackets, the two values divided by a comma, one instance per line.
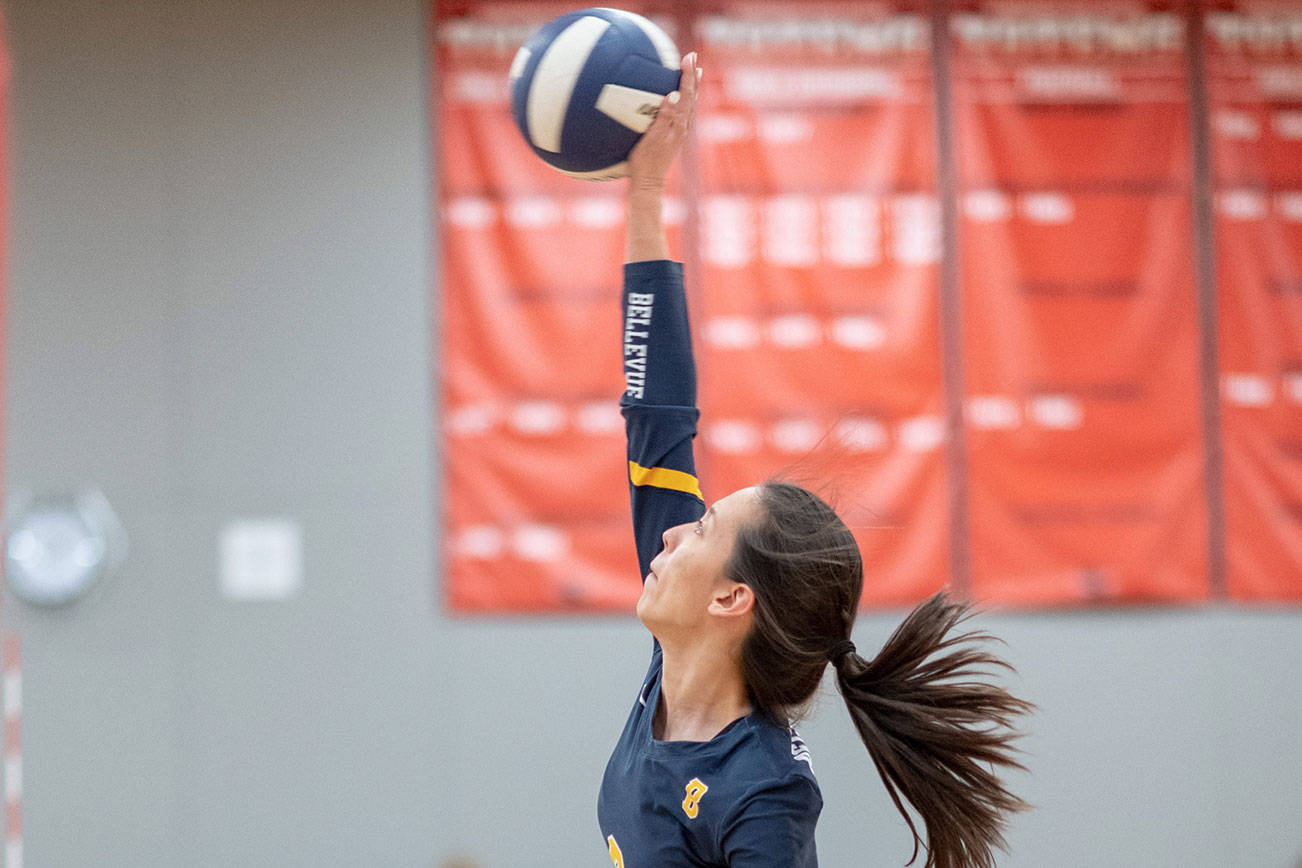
[220, 306]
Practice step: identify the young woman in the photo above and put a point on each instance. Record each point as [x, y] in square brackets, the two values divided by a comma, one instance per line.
[749, 601]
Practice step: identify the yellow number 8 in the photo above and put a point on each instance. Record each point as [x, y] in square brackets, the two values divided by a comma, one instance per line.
[615, 856]
[692, 803]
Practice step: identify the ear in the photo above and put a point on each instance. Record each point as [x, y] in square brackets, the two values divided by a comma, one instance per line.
[732, 600]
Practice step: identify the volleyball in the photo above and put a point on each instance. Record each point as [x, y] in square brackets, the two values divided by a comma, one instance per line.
[587, 85]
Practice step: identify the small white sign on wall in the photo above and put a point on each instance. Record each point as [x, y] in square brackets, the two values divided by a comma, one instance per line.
[261, 559]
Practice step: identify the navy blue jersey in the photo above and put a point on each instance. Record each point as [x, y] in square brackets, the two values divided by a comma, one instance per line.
[747, 798]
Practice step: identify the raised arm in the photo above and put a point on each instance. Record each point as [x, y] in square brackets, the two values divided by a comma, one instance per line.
[659, 402]
[649, 163]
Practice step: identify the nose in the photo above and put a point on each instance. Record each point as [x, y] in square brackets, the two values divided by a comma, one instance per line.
[671, 534]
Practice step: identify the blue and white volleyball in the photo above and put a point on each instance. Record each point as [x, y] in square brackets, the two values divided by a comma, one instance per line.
[586, 86]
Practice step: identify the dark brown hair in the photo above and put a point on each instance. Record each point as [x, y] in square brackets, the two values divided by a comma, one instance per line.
[935, 727]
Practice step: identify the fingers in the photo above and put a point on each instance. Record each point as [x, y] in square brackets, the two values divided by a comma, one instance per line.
[690, 77]
[655, 152]
[681, 104]
[666, 116]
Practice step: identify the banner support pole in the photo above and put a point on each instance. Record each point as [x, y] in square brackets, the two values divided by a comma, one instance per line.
[1205, 286]
[951, 313]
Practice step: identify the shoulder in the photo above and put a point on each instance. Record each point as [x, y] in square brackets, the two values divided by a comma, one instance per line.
[773, 822]
[781, 752]
[793, 789]
[775, 768]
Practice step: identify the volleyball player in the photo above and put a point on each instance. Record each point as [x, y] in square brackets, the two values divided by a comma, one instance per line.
[748, 602]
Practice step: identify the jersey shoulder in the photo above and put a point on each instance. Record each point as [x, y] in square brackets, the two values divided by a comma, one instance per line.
[772, 816]
[780, 753]
[766, 762]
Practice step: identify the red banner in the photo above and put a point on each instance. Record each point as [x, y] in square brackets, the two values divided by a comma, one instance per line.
[1254, 86]
[1085, 451]
[535, 497]
[820, 244]
[826, 265]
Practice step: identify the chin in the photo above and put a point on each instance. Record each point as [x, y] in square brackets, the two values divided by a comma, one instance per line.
[646, 612]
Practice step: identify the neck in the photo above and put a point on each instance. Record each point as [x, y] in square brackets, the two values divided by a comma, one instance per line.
[701, 692]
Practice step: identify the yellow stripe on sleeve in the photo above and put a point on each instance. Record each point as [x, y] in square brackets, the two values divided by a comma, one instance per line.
[663, 477]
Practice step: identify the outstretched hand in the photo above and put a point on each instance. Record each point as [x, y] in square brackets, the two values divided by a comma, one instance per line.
[650, 159]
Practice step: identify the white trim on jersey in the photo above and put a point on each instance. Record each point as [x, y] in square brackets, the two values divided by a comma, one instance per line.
[799, 751]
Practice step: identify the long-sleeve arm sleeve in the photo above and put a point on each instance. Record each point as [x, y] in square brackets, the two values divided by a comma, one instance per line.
[659, 404]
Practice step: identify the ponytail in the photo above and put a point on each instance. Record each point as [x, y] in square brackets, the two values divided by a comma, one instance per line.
[935, 728]
[936, 731]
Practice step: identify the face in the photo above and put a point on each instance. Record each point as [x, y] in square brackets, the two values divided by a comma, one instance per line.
[688, 574]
